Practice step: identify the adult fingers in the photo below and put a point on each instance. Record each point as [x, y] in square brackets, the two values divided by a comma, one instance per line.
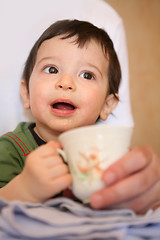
[126, 189]
[142, 203]
[135, 160]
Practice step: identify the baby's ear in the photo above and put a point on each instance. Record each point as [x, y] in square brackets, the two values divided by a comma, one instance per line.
[25, 95]
[109, 105]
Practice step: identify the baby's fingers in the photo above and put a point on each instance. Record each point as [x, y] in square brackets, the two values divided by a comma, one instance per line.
[48, 149]
[59, 170]
[61, 183]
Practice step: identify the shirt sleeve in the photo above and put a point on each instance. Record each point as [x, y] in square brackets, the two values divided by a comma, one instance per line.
[11, 163]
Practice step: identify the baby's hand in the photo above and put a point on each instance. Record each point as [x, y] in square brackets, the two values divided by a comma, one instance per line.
[45, 174]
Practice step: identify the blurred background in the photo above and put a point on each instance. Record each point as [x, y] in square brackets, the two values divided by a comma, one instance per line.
[142, 24]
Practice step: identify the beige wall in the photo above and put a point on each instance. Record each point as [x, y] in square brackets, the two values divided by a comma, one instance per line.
[142, 23]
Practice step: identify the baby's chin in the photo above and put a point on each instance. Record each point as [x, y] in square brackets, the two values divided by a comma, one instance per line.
[63, 124]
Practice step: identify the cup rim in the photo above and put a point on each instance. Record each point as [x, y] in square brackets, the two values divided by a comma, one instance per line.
[79, 129]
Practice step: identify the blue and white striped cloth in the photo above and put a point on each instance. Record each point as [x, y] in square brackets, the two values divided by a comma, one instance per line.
[64, 219]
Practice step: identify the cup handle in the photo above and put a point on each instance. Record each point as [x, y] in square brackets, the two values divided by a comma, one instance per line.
[63, 154]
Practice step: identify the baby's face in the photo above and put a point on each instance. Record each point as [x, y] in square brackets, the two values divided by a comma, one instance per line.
[68, 85]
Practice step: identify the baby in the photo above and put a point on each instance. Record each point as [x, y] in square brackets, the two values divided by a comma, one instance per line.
[71, 79]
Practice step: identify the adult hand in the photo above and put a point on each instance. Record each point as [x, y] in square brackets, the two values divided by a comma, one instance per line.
[132, 182]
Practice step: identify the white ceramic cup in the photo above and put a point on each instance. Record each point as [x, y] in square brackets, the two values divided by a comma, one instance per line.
[89, 151]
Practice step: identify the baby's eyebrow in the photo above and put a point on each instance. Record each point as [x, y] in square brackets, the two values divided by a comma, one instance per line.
[45, 59]
[94, 66]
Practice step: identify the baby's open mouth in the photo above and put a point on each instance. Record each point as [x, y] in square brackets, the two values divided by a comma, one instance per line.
[63, 106]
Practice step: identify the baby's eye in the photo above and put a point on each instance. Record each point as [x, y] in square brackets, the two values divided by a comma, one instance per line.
[87, 75]
[51, 69]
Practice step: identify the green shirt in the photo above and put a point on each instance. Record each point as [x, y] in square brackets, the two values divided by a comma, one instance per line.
[14, 148]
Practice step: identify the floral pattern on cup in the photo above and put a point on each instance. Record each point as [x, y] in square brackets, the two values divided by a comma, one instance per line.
[90, 165]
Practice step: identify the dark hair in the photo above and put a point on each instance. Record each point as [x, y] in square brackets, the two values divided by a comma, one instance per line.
[85, 32]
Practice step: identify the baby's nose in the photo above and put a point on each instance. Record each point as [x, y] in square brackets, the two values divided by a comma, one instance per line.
[66, 83]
